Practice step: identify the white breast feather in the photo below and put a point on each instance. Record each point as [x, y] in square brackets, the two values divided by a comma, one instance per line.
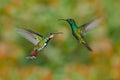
[42, 47]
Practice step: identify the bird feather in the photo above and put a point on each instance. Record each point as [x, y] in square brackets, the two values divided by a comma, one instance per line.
[30, 35]
[89, 25]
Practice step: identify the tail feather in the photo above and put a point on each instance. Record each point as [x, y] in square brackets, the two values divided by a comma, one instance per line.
[32, 55]
[87, 46]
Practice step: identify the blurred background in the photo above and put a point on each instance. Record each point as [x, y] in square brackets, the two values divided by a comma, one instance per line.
[63, 58]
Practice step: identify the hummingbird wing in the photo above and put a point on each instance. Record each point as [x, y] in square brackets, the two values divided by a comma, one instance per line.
[30, 35]
[89, 25]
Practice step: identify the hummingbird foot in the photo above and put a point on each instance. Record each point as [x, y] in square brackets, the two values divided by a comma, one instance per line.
[30, 57]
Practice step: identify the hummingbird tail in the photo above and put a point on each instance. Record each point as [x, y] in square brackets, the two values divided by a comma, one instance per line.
[87, 46]
[32, 55]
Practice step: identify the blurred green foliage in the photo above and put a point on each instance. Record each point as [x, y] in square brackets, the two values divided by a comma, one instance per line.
[63, 58]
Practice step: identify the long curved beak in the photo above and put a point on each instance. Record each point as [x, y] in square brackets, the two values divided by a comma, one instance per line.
[56, 32]
[63, 19]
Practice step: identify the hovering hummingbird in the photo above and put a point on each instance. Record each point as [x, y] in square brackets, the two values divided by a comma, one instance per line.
[79, 32]
[37, 39]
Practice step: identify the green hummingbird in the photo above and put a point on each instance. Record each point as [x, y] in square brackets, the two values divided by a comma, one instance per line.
[37, 39]
[79, 32]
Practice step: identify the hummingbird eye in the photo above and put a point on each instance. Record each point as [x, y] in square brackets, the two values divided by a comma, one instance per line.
[70, 20]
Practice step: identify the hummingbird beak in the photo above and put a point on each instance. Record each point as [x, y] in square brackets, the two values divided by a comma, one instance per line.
[63, 19]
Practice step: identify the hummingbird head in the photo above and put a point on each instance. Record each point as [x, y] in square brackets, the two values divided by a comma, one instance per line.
[52, 34]
[70, 21]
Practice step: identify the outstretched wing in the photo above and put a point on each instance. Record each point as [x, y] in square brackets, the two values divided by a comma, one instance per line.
[30, 35]
[89, 25]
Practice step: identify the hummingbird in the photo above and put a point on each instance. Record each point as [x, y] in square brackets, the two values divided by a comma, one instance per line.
[37, 39]
[80, 31]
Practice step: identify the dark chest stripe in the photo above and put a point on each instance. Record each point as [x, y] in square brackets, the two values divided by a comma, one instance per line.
[47, 40]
